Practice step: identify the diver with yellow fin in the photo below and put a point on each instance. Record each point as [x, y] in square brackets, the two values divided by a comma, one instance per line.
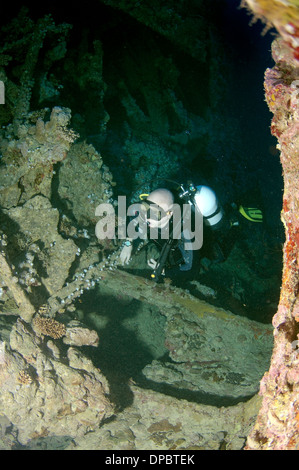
[165, 253]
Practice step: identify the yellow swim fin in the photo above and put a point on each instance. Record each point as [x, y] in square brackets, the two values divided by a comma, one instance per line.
[251, 213]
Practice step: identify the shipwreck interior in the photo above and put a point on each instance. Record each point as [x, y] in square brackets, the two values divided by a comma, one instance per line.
[145, 95]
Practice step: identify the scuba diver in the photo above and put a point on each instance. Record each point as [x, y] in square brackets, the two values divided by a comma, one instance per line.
[173, 246]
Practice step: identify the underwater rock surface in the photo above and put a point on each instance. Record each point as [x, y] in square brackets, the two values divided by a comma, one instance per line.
[157, 422]
[277, 427]
[29, 155]
[54, 250]
[211, 351]
[213, 355]
[84, 183]
[44, 395]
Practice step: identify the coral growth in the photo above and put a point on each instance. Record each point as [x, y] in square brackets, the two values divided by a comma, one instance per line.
[24, 378]
[283, 15]
[84, 183]
[8, 280]
[48, 327]
[45, 247]
[24, 39]
[28, 158]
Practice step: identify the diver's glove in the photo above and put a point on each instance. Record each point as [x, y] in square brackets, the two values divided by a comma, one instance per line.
[125, 254]
[152, 263]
